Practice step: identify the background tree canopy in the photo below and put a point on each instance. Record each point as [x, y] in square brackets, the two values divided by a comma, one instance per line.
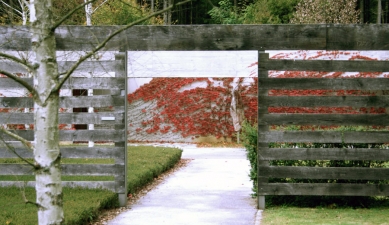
[120, 12]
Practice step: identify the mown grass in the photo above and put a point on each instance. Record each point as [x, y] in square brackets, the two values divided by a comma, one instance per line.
[346, 216]
[83, 205]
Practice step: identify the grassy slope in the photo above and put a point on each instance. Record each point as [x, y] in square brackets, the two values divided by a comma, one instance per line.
[82, 205]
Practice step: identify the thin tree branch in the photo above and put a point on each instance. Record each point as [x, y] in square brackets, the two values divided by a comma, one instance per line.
[103, 43]
[100, 6]
[59, 22]
[12, 149]
[22, 82]
[26, 143]
[39, 206]
[11, 7]
[131, 6]
[18, 60]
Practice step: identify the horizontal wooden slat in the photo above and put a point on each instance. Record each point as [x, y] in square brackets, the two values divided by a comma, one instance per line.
[70, 152]
[109, 185]
[324, 154]
[324, 136]
[211, 37]
[64, 118]
[63, 66]
[67, 169]
[92, 169]
[346, 173]
[91, 66]
[323, 189]
[95, 83]
[77, 135]
[325, 65]
[74, 83]
[66, 102]
[325, 119]
[16, 169]
[324, 83]
[321, 101]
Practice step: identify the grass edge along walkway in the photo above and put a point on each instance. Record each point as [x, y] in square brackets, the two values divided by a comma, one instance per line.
[83, 205]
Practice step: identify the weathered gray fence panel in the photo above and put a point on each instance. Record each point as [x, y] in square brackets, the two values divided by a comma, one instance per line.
[115, 99]
[211, 37]
[373, 95]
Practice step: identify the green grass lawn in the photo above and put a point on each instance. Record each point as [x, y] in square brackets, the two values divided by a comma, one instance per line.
[325, 216]
[83, 205]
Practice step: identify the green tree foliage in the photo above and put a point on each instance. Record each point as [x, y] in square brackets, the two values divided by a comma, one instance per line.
[224, 14]
[61, 8]
[258, 12]
[326, 11]
[120, 12]
[269, 12]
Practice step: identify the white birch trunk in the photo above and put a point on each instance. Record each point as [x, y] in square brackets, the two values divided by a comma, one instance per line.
[88, 13]
[46, 150]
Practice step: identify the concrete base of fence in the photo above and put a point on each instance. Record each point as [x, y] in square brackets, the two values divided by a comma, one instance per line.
[261, 202]
[122, 199]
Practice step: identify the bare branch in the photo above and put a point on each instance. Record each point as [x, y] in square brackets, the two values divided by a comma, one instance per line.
[12, 149]
[18, 60]
[11, 7]
[26, 143]
[28, 201]
[103, 43]
[30, 88]
[100, 5]
[59, 22]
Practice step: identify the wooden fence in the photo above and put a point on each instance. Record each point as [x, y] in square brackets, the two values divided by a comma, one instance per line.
[115, 99]
[257, 38]
[267, 136]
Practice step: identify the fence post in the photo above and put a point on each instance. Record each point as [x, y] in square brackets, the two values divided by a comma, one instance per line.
[121, 179]
[262, 110]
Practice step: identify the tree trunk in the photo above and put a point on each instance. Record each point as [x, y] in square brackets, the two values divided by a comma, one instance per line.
[379, 12]
[46, 150]
[88, 13]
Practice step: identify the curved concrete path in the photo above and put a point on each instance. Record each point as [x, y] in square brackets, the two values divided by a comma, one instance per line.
[214, 188]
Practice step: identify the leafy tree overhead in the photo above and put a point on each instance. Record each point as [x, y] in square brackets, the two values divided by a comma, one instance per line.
[326, 11]
[120, 12]
[258, 12]
[269, 12]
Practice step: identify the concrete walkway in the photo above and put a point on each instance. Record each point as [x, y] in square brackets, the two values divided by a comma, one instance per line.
[214, 188]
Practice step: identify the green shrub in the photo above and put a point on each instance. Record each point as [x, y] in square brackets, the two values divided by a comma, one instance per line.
[250, 140]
